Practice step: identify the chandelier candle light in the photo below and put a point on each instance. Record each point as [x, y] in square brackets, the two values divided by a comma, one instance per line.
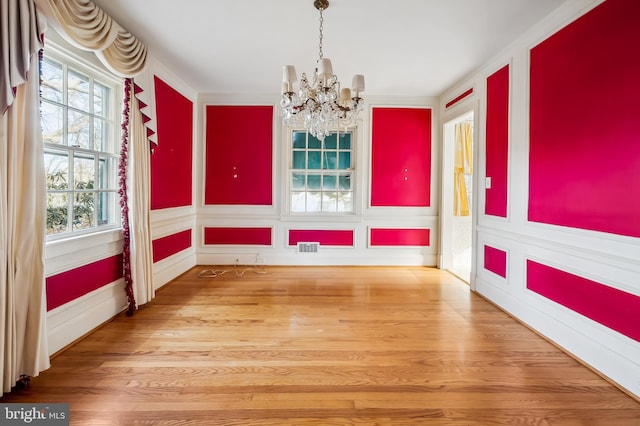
[321, 103]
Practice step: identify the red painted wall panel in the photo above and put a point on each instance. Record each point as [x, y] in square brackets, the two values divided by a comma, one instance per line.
[497, 142]
[584, 161]
[238, 155]
[399, 237]
[458, 98]
[69, 285]
[240, 236]
[171, 168]
[495, 260]
[171, 244]
[608, 306]
[324, 237]
[401, 157]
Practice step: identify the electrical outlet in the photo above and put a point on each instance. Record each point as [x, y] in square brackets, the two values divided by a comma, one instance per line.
[259, 259]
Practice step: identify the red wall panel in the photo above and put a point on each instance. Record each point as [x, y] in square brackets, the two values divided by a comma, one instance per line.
[240, 236]
[324, 237]
[238, 155]
[171, 244]
[584, 159]
[608, 306]
[495, 260]
[171, 176]
[401, 157]
[69, 285]
[399, 237]
[458, 98]
[497, 142]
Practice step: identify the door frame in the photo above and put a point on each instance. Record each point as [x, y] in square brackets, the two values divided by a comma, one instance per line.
[445, 257]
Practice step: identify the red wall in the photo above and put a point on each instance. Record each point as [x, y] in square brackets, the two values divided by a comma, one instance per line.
[458, 98]
[584, 161]
[608, 306]
[69, 285]
[399, 237]
[238, 155]
[401, 157]
[239, 236]
[497, 142]
[495, 260]
[171, 175]
[324, 237]
[171, 244]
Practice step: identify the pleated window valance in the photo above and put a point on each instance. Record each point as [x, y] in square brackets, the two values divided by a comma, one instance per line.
[88, 27]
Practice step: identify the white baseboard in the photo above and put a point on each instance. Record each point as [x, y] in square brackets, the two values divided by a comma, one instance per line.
[173, 266]
[73, 320]
[370, 258]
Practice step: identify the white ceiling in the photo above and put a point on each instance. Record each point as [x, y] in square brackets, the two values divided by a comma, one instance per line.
[403, 47]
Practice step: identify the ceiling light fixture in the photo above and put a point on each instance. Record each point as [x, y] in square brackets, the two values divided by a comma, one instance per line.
[321, 104]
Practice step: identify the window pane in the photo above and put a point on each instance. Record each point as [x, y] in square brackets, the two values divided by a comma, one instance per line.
[313, 160]
[56, 166]
[329, 201]
[300, 140]
[106, 203]
[330, 142]
[314, 201]
[345, 140]
[298, 159]
[313, 182]
[345, 202]
[345, 160]
[298, 203]
[51, 120]
[329, 182]
[83, 171]
[51, 81]
[101, 139]
[344, 182]
[100, 99]
[314, 143]
[329, 161]
[57, 213]
[78, 129]
[106, 173]
[297, 181]
[83, 210]
[78, 91]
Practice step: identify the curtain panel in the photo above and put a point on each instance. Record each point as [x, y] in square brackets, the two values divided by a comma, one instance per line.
[463, 162]
[23, 312]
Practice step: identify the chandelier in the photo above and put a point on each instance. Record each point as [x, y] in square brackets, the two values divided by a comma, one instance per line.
[320, 103]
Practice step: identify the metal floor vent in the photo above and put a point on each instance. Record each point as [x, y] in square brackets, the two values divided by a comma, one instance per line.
[308, 247]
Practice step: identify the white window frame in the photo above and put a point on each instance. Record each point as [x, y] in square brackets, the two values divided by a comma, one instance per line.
[352, 170]
[71, 61]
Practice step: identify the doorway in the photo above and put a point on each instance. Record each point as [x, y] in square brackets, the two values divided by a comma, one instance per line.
[458, 201]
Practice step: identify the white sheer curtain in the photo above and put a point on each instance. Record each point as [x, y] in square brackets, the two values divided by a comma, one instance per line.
[22, 204]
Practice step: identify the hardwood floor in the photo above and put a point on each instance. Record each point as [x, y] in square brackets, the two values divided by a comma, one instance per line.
[323, 346]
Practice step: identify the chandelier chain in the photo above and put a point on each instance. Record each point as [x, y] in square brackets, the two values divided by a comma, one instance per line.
[321, 33]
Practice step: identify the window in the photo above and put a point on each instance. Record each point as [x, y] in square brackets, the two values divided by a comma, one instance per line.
[321, 177]
[79, 122]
